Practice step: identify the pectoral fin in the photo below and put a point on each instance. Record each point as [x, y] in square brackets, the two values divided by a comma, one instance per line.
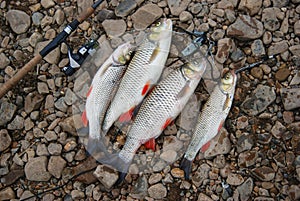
[166, 124]
[205, 147]
[154, 54]
[150, 144]
[84, 118]
[146, 88]
[127, 116]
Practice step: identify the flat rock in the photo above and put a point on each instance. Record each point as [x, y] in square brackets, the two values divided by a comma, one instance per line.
[277, 48]
[18, 20]
[4, 61]
[5, 140]
[234, 179]
[125, 7]
[157, 191]
[250, 6]
[269, 18]
[106, 176]
[178, 6]
[7, 194]
[114, 28]
[56, 165]
[16, 124]
[264, 173]
[146, 15]
[290, 98]
[225, 47]
[245, 28]
[259, 100]
[35, 169]
[245, 189]
[7, 111]
[247, 158]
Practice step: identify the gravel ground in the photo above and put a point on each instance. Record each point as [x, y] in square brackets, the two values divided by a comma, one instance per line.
[256, 156]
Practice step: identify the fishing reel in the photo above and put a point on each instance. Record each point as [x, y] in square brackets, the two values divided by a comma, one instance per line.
[76, 59]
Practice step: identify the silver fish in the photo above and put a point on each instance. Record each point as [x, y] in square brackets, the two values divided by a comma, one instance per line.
[211, 119]
[143, 72]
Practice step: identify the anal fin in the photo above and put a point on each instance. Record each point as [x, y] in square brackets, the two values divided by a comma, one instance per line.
[150, 144]
[205, 147]
[127, 116]
[84, 118]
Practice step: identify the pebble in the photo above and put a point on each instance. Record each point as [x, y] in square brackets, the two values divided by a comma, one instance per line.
[247, 158]
[172, 143]
[33, 101]
[259, 100]
[234, 179]
[277, 48]
[257, 48]
[155, 178]
[7, 194]
[225, 47]
[35, 169]
[264, 173]
[106, 176]
[170, 156]
[178, 6]
[7, 111]
[77, 194]
[201, 174]
[5, 140]
[146, 15]
[16, 124]
[157, 191]
[282, 74]
[125, 8]
[52, 57]
[185, 16]
[139, 190]
[203, 197]
[177, 173]
[18, 21]
[114, 28]
[42, 150]
[295, 50]
[42, 88]
[290, 98]
[54, 148]
[297, 28]
[250, 6]
[269, 18]
[47, 3]
[83, 5]
[56, 165]
[245, 28]
[4, 61]
[280, 3]
[245, 189]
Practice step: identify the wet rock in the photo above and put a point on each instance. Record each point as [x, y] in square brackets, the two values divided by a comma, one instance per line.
[7, 111]
[225, 47]
[125, 8]
[18, 20]
[234, 179]
[146, 15]
[106, 176]
[157, 191]
[16, 124]
[282, 74]
[247, 158]
[201, 174]
[245, 189]
[35, 169]
[114, 28]
[297, 28]
[178, 6]
[252, 7]
[257, 48]
[52, 57]
[245, 28]
[5, 140]
[219, 145]
[4, 61]
[56, 165]
[290, 98]
[7, 194]
[259, 100]
[264, 173]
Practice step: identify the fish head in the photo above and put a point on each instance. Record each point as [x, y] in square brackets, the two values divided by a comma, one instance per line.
[228, 81]
[161, 30]
[194, 69]
[122, 54]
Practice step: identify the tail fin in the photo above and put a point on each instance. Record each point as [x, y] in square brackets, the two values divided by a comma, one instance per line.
[186, 166]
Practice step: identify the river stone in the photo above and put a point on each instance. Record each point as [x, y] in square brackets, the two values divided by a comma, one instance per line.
[114, 28]
[250, 6]
[245, 28]
[125, 7]
[264, 173]
[245, 189]
[106, 176]
[35, 169]
[178, 6]
[5, 140]
[259, 100]
[4, 61]
[7, 194]
[52, 57]
[277, 48]
[157, 191]
[269, 18]
[18, 20]
[290, 98]
[7, 111]
[225, 47]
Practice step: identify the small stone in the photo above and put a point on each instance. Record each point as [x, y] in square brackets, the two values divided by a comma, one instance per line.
[35, 169]
[282, 74]
[157, 191]
[42, 88]
[257, 48]
[18, 20]
[178, 6]
[245, 189]
[7, 111]
[234, 179]
[201, 174]
[288, 117]
[177, 173]
[295, 50]
[247, 158]
[47, 3]
[225, 47]
[269, 18]
[290, 98]
[26, 194]
[52, 57]
[37, 18]
[54, 148]
[33, 102]
[250, 6]
[7, 194]
[114, 28]
[104, 14]
[154, 178]
[185, 16]
[280, 3]
[4, 61]
[203, 197]
[245, 28]
[266, 95]
[267, 37]
[106, 176]
[245, 142]
[83, 5]
[264, 173]
[81, 80]
[170, 130]
[16, 124]
[294, 192]
[61, 105]
[42, 150]
[220, 144]
[125, 7]
[159, 166]
[59, 16]
[278, 129]
[218, 34]
[146, 15]
[56, 165]
[139, 190]
[77, 194]
[5, 140]
[169, 156]
[277, 48]
[172, 143]
[297, 28]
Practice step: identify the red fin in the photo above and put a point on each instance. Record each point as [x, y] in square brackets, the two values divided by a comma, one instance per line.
[146, 88]
[89, 91]
[205, 147]
[221, 125]
[150, 144]
[125, 117]
[166, 124]
[84, 118]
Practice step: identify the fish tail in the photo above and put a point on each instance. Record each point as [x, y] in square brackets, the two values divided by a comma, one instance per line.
[186, 166]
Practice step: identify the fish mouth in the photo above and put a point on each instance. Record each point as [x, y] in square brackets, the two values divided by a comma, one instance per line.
[167, 23]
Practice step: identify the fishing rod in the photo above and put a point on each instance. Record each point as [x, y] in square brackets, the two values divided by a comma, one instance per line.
[60, 38]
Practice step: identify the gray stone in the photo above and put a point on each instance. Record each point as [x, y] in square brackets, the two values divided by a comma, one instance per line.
[296, 79]
[139, 190]
[26, 195]
[114, 28]
[106, 176]
[297, 28]
[245, 189]
[83, 5]
[5, 140]
[185, 16]
[42, 88]
[16, 124]
[154, 178]
[258, 48]
[250, 6]
[7, 194]
[35, 38]
[295, 50]
[234, 179]
[146, 15]
[35, 169]
[56, 165]
[245, 28]
[37, 18]
[70, 97]
[42, 150]
[4, 61]
[203, 197]
[172, 143]
[47, 3]
[59, 16]
[77, 194]
[259, 100]
[18, 20]
[280, 3]
[81, 81]
[290, 98]
[61, 105]
[125, 8]
[245, 142]
[169, 156]
[52, 57]
[178, 6]
[201, 174]
[269, 18]
[7, 111]
[54, 148]
[277, 48]
[157, 191]
[247, 158]
[104, 14]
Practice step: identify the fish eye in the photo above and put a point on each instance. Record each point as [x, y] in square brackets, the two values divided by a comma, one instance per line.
[158, 24]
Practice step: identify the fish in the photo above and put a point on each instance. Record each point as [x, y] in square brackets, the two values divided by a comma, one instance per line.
[210, 119]
[158, 110]
[143, 72]
[103, 88]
